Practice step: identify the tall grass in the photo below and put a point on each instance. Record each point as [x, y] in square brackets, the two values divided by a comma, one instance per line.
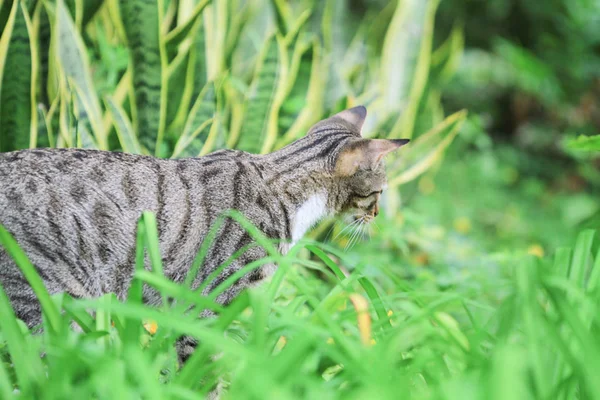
[183, 78]
[350, 335]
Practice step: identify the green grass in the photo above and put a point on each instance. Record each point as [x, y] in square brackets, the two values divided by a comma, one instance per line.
[443, 302]
[530, 332]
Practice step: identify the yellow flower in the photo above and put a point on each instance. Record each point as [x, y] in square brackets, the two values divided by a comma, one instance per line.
[462, 225]
[150, 326]
[536, 250]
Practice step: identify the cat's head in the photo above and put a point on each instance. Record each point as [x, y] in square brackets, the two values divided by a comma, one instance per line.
[358, 166]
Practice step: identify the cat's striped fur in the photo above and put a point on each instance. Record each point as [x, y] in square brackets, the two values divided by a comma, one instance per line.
[74, 212]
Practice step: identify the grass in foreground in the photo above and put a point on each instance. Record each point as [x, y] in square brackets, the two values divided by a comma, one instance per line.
[531, 334]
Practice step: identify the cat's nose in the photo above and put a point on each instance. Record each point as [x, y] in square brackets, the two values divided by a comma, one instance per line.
[376, 210]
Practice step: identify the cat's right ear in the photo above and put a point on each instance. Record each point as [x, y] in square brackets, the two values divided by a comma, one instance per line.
[365, 154]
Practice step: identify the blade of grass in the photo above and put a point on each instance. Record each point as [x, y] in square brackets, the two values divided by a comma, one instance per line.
[20, 258]
[26, 361]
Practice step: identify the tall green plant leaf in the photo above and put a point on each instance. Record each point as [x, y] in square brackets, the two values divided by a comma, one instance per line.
[177, 35]
[426, 150]
[314, 98]
[70, 58]
[405, 61]
[18, 116]
[191, 141]
[123, 126]
[83, 11]
[141, 22]
[260, 124]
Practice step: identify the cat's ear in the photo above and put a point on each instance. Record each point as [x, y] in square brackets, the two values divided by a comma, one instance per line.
[355, 116]
[365, 154]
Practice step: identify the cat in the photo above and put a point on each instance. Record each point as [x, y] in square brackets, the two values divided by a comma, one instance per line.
[74, 212]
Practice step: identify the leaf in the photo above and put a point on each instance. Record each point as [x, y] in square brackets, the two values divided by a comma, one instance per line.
[336, 38]
[177, 35]
[215, 20]
[405, 62]
[423, 152]
[30, 273]
[85, 138]
[314, 99]
[140, 19]
[70, 56]
[195, 76]
[125, 132]
[262, 106]
[446, 59]
[83, 10]
[363, 318]
[178, 74]
[27, 363]
[18, 116]
[202, 113]
[585, 143]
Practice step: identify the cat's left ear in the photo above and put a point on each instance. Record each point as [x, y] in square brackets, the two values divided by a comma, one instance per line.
[365, 154]
[355, 116]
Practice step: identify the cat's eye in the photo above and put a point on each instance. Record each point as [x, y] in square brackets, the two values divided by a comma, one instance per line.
[370, 194]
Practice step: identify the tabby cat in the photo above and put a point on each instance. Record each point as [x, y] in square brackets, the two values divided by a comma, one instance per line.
[74, 212]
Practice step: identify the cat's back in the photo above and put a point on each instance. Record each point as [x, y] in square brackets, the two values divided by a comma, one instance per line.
[65, 163]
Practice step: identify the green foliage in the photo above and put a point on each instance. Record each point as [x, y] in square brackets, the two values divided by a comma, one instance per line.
[203, 75]
[17, 112]
[355, 335]
[444, 302]
[587, 143]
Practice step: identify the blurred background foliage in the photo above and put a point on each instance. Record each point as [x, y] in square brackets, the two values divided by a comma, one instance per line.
[473, 242]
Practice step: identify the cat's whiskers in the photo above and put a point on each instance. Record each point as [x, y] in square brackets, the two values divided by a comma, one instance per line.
[358, 231]
[352, 233]
[330, 231]
[346, 228]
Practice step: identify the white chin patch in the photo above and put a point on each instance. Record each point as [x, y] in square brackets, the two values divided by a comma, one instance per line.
[309, 213]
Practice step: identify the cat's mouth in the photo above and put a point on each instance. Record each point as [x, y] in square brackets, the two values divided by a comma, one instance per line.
[364, 218]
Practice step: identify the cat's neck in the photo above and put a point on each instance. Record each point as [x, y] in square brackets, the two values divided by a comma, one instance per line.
[311, 211]
[302, 185]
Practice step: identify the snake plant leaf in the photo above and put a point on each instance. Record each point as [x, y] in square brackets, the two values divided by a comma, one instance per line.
[216, 24]
[259, 131]
[446, 58]
[83, 11]
[17, 90]
[296, 83]
[80, 112]
[314, 101]
[406, 61]
[336, 39]
[426, 150]
[238, 18]
[70, 58]
[177, 73]
[233, 91]
[257, 29]
[141, 22]
[194, 80]
[177, 35]
[123, 126]
[203, 111]
[44, 133]
[283, 15]
[197, 62]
